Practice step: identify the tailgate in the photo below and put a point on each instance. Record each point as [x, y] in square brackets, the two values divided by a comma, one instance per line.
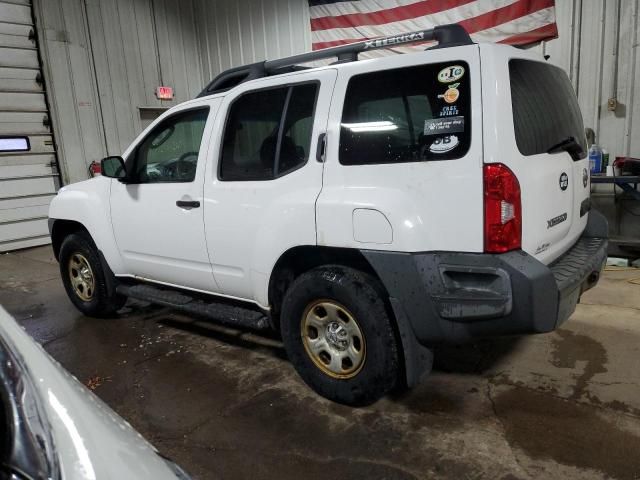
[538, 111]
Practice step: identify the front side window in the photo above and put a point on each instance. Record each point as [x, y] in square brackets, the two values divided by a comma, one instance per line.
[407, 115]
[170, 152]
[268, 133]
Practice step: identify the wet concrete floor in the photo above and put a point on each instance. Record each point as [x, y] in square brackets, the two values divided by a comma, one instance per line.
[227, 404]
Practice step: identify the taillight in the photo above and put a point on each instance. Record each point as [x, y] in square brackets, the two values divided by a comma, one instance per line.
[502, 209]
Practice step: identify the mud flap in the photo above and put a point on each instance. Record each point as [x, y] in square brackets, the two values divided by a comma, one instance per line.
[110, 279]
[418, 360]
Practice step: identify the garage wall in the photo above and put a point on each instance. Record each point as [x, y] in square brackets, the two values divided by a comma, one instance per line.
[598, 46]
[103, 61]
[69, 79]
[105, 58]
[233, 33]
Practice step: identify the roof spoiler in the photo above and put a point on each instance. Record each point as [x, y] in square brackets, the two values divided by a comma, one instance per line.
[452, 35]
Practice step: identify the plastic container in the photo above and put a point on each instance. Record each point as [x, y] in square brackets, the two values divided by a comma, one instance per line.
[605, 160]
[626, 166]
[617, 166]
[595, 159]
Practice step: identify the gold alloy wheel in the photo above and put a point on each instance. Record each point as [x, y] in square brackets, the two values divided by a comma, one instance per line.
[81, 276]
[333, 340]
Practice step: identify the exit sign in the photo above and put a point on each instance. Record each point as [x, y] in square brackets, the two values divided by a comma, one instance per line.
[164, 93]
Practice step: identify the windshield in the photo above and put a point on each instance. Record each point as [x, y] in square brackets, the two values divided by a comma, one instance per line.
[545, 108]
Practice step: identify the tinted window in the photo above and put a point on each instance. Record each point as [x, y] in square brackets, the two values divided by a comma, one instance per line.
[250, 136]
[545, 108]
[268, 133]
[407, 115]
[170, 152]
[296, 137]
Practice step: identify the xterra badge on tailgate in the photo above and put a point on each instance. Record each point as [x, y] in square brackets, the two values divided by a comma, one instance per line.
[556, 220]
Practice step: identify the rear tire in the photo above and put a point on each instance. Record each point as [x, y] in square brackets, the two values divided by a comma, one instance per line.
[85, 279]
[339, 336]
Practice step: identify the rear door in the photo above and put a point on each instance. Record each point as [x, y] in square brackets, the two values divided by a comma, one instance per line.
[536, 109]
[263, 178]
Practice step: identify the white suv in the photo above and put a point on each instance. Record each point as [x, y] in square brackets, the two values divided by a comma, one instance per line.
[364, 209]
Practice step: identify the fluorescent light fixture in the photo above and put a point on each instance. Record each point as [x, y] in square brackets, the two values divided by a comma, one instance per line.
[381, 126]
[14, 144]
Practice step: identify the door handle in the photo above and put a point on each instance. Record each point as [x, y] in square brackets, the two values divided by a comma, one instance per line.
[188, 203]
[321, 149]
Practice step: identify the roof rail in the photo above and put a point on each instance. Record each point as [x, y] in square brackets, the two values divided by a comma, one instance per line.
[452, 35]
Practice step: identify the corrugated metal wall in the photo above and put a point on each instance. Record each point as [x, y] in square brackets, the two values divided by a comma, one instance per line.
[598, 46]
[233, 33]
[105, 58]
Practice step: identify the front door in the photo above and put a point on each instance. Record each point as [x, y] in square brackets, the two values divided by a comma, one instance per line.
[157, 214]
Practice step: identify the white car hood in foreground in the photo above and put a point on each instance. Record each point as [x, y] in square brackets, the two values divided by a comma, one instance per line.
[90, 441]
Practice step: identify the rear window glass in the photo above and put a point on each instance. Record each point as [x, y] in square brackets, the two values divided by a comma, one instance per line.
[545, 108]
[407, 115]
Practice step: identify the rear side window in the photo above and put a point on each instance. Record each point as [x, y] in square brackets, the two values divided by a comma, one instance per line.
[407, 115]
[545, 107]
[268, 133]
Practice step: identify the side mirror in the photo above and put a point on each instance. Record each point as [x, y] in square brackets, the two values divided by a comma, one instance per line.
[113, 167]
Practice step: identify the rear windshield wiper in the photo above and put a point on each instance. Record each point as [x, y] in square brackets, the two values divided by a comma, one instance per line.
[569, 145]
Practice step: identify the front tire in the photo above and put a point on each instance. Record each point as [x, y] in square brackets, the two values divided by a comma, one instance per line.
[339, 336]
[85, 279]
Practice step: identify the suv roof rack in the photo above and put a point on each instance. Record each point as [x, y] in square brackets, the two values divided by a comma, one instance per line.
[451, 35]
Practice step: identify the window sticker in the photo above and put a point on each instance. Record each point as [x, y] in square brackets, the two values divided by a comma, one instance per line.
[452, 93]
[393, 116]
[439, 126]
[449, 111]
[451, 74]
[444, 144]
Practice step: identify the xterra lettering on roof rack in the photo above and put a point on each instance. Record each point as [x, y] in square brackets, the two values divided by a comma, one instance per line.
[446, 35]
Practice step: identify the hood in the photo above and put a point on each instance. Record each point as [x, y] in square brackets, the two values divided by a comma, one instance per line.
[59, 429]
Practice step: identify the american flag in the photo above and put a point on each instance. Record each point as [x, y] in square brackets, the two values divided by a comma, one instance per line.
[514, 22]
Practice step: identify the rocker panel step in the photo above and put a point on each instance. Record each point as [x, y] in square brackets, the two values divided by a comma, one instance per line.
[222, 313]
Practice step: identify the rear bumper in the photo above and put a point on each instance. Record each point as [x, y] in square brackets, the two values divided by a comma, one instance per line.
[456, 297]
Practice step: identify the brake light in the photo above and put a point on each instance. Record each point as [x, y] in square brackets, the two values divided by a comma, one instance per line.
[502, 209]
